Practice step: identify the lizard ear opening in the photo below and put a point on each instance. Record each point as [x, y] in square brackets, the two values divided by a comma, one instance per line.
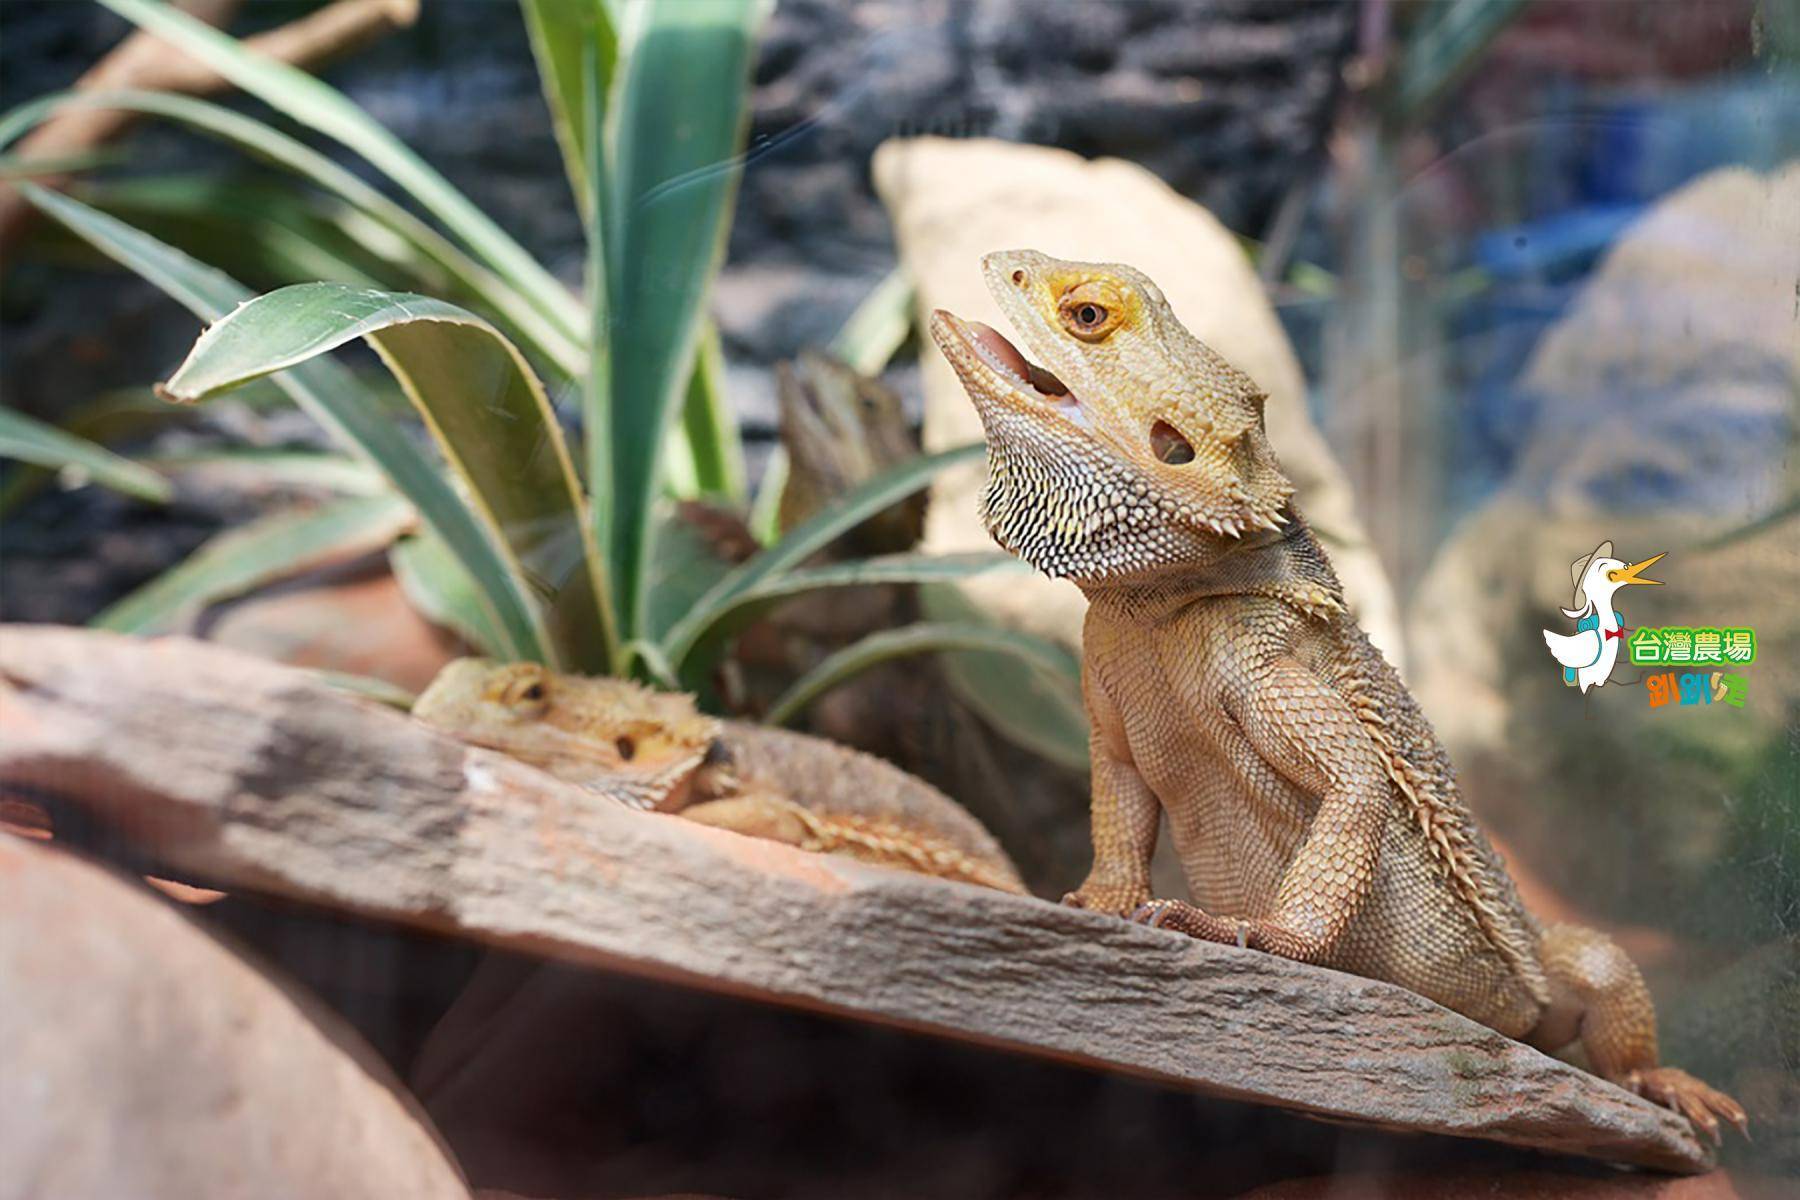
[1168, 444]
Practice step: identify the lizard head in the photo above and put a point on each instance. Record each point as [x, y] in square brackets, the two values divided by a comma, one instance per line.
[1132, 448]
[639, 746]
[840, 429]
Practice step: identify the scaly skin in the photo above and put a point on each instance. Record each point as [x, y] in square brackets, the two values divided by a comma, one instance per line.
[1316, 815]
[839, 429]
[654, 750]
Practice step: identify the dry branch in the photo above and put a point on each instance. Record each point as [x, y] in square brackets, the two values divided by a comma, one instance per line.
[145, 62]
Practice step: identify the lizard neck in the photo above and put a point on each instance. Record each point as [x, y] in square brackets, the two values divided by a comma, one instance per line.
[1287, 565]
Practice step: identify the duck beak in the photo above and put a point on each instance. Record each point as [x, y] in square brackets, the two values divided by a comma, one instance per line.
[1630, 574]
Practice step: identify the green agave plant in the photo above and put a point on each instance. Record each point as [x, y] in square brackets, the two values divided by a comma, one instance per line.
[528, 547]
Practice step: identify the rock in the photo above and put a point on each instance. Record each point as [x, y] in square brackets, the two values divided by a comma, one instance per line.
[356, 623]
[144, 1059]
[279, 784]
[1666, 413]
[953, 201]
[1681, 821]
[1225, 101]
[1512, 1185]
[1670, 383]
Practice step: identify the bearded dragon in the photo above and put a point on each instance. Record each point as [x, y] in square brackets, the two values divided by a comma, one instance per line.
[1315, 814]
[841, 428]
[655, 751]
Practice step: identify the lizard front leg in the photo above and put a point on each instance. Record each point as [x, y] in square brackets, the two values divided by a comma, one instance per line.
[1125, 814]
[1302, 729]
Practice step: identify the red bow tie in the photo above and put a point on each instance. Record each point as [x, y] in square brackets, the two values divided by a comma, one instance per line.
[1614, 633]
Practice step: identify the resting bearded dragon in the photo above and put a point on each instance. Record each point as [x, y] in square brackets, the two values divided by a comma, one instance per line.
[655, 751]
[1315, 813]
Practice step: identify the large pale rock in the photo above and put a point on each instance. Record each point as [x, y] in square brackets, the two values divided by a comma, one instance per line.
[281, 784]
[1667, 414]
[1671, 382]
[1664, 420]
[953, 201]
[140, 1058]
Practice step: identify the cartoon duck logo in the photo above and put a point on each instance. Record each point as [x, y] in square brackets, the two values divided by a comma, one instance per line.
[1587, 656]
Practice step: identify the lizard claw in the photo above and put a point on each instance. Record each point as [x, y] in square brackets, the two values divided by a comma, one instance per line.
[1117, 900]
[1699, 1102]
[1152, 913]
[1197, 923]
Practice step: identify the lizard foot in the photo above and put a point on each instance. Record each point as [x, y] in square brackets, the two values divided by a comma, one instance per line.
[1119, 901]
[1183, 917]
[1698, 1102]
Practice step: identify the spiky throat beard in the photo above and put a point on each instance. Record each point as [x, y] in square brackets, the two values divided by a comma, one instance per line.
[664, 790]
[1073, 511]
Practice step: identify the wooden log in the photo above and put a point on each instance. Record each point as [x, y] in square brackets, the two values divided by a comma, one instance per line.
[245, 774]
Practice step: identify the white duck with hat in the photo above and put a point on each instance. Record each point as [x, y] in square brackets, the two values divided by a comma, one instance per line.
[1587, 656]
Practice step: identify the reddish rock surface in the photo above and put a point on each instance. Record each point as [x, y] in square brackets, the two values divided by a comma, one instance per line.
[144, 1059]
[359, 626]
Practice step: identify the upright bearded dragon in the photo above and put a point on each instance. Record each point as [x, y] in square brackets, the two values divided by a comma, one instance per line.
[656, 751]
[1315, 813]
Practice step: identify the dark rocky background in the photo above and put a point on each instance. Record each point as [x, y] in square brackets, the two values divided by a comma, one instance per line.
[1228, 100]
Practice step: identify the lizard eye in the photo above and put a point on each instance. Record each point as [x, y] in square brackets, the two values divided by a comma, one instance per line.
[1091, 310]
[526, 692]
[626, 747]
[1169, 446]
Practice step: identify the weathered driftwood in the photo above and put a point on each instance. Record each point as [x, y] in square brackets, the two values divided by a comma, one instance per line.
[253, 775]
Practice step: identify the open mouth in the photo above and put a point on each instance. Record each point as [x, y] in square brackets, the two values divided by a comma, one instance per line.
[1025, 376]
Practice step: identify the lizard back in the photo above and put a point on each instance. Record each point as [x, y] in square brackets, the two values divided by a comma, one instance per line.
[1425, 783]
[864, 797]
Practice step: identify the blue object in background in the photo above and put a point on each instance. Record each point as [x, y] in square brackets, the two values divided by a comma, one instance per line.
[1598, 161]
